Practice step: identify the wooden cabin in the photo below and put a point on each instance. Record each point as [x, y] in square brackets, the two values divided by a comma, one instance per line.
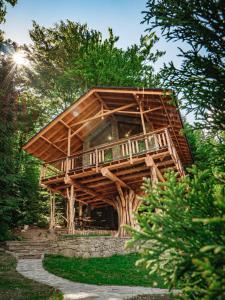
[98, 150]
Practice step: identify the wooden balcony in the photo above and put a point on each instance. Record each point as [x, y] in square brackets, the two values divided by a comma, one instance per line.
[125, 150]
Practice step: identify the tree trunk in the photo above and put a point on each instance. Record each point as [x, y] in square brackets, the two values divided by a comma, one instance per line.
[70, 210]
[52, 212]
[127, 204]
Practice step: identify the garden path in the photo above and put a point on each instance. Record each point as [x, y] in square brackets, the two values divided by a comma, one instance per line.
[33, 269]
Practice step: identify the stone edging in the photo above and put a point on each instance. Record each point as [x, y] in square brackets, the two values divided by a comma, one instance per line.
[33, 269]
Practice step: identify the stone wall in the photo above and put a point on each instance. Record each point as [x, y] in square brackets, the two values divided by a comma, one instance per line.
[91, 247]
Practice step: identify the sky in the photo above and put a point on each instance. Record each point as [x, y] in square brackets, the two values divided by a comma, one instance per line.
[123, 16]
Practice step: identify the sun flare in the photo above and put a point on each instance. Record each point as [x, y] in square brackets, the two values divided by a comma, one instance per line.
[19, 58]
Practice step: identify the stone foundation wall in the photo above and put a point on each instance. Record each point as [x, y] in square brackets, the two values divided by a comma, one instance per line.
[91, 247]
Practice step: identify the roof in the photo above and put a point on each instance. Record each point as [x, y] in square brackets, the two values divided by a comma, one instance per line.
[50, 143]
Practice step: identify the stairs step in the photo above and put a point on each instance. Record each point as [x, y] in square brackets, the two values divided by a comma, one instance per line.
[29, 249]
[29, 256]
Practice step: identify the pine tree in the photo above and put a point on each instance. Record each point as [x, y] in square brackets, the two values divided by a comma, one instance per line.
[200, 80]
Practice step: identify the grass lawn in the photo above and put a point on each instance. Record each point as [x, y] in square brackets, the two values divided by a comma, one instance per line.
[115, 270]
[14, 286]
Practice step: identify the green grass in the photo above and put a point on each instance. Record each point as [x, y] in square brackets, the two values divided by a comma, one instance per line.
[114, 270]
[14, 286]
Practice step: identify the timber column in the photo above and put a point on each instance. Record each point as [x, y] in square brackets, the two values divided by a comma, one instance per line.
[127, 204]
[52, 211]
[69, 191]
[70, 209]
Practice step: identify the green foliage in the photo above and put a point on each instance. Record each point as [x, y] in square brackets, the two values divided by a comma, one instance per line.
[64, 61]
[21, 201]
[8, 176]
[207, 149]
[3, 4]
[200, 79]
[114, 270]
[181, 234]
[70, 58]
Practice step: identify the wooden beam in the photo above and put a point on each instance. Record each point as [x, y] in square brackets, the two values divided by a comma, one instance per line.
[106, 173]
[131, 91]
[70, 206]
[82, 126]
[152, 109]
[142, 118]
[44, 138]
[135, 96]
[104, 114]
[69, 142]
[67, 126]
[60, 117]
[150, 163]
[88, 190]
[128, 112]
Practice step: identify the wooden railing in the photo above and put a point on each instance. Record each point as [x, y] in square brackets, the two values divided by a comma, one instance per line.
[117, 151]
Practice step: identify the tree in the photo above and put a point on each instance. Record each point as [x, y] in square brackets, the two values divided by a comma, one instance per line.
[200, 25]
[182, 223]
[3, 13]
[70, 58]
[184, 241]
[8, 176]
[21, 115]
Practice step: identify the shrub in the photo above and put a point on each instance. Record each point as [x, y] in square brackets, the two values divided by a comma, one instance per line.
[182, 233]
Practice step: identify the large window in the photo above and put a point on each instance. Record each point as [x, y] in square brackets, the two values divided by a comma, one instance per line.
[102, 136]
[128, 129]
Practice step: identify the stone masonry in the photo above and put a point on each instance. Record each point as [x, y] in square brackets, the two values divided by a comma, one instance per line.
[76, 247]
[91, 247]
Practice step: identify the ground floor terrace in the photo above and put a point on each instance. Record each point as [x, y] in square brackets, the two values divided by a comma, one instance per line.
[102, 185]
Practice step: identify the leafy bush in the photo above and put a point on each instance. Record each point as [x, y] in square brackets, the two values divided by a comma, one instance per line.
[182, 233]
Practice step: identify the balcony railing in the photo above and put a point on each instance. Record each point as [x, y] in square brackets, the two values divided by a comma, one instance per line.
[123, 149]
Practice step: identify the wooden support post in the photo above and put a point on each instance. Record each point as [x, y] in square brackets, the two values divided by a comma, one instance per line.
[80, 213]
[52, 211]
[127, 203]
[142, 119]
[71, 212]
[154, 178]
[155, 173]
[68, 150]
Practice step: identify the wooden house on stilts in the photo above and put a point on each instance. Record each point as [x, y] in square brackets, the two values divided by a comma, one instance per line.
[96, 152]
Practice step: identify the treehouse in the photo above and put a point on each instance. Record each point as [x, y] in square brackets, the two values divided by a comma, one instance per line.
[96, 152]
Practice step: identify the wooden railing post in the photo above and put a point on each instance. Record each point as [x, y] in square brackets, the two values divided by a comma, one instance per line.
[68, 150]
[130, 151]
[96, 159]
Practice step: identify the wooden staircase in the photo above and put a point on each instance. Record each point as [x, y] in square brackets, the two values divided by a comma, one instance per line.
[28, 249]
